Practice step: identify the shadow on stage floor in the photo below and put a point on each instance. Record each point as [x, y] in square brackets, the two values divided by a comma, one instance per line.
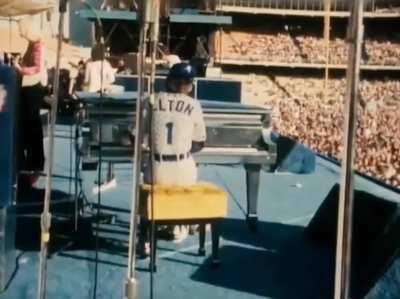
[277, 262]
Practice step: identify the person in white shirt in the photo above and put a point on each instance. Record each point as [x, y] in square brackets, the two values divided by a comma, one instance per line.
[167, 60]
[94, 69]
[170, 60]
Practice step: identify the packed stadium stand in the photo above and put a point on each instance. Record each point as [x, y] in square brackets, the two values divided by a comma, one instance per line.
[280, 51]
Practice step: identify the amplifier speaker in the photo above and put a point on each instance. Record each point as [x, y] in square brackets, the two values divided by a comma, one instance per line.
[376, 231]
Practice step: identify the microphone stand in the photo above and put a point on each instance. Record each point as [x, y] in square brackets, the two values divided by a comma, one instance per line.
[149, 19]
[45, 220]
[346, 196]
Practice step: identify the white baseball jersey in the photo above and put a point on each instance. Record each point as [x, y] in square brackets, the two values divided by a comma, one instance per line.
[177, 121]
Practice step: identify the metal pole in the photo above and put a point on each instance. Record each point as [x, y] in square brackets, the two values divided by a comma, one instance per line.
[130, 282]
[98, 25]
[76, 174]
[45, 221]
[10, 35]
[327, 31]
[154, 35]
[147, 17]
[345, 212]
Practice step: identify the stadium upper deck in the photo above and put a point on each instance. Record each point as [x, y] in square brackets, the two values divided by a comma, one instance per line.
[300, 44]
[287, 34]
[338, 8]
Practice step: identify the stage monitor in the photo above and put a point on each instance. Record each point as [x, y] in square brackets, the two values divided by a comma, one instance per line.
[375, 241]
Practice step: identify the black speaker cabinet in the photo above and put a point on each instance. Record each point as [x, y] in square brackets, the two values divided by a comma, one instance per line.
[376, 235]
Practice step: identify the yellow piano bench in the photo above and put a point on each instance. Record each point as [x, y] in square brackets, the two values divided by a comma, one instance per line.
[203, 203]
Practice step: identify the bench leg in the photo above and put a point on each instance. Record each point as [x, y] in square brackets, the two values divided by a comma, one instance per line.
[215, 234]
[143, 238]
[202, 239]
[252, 190]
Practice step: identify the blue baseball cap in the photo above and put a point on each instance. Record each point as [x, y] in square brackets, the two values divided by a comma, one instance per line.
[182, 71]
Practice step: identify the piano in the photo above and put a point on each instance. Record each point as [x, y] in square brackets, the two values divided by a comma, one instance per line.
[234, 137]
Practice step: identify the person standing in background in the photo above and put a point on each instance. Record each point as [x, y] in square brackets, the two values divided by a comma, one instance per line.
[169, 60]
[80, 78]
[33, 77]
[99, 73]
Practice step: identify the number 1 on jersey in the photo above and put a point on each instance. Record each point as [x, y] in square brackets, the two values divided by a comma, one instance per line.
[169, 126]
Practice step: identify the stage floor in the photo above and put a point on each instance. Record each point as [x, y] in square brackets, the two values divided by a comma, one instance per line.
[276, 262]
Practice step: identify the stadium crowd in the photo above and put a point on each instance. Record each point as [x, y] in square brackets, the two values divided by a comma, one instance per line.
[304, 112]
[287, 47]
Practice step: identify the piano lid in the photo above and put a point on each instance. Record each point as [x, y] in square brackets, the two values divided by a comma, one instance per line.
[226, 107]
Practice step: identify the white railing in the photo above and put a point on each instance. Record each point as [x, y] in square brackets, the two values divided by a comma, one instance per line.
[309, 5]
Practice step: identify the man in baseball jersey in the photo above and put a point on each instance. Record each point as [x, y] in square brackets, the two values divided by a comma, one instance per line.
[178, 130]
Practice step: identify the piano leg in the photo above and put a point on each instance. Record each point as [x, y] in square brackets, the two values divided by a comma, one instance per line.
[252, 187]
[110, 172]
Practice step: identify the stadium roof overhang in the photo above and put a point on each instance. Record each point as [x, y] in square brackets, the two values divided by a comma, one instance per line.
[12, 8]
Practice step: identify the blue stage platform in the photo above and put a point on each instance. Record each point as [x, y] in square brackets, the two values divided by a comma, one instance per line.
[277, 262]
